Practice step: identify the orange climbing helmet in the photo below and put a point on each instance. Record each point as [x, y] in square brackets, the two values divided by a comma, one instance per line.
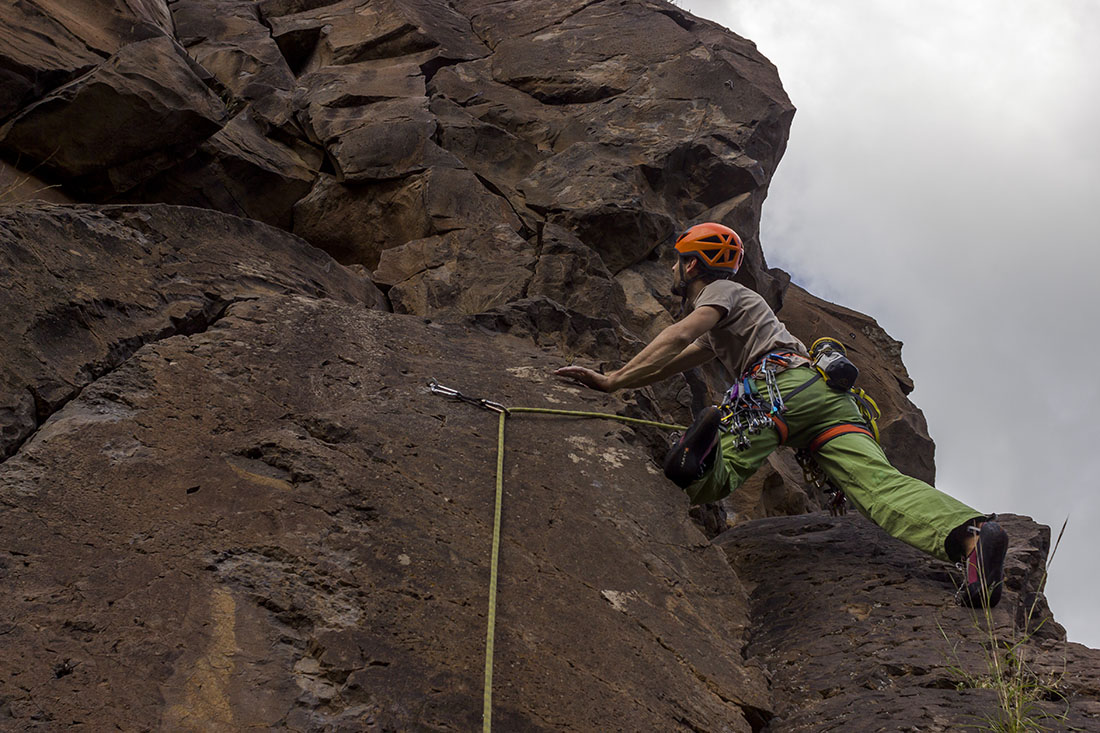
[717, 247]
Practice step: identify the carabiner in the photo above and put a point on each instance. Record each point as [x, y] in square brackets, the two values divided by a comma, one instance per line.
[454, 394]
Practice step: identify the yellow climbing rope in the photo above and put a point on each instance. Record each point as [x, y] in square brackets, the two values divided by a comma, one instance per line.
[487, 704]
[504, 412]
[490, 631]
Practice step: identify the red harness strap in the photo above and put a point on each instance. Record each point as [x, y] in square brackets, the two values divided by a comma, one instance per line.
[779, 357]
[836, 431]
[781, 428]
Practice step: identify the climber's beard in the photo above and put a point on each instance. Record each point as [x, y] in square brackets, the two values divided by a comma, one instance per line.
[679, 287]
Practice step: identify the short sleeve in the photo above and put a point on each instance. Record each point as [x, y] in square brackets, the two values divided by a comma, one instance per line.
[721, 294]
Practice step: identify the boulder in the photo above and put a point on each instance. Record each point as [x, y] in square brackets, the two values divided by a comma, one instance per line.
[568, 270]
[240, 170]
[456, 274]
[596, 191]
[74, 132]
[17, 186]
[48, 43]
[350, 31]
[84, 288]
[491, 151]
[229, 41]
[380, 141]
[355, 222]
[597, 342]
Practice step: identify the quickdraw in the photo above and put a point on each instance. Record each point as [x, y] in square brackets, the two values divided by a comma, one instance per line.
[814, 475]
[746, 412]
[442, 391]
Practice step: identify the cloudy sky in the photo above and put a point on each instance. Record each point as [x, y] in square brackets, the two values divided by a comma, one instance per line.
[943, 176]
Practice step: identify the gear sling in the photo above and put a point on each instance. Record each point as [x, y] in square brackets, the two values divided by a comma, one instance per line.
[802, 411]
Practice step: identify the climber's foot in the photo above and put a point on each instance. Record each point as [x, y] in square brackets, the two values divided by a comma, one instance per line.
[985, 568]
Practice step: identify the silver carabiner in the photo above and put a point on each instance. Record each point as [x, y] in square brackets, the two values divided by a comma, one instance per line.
[439, 389]
[494, 406]
[444, 391]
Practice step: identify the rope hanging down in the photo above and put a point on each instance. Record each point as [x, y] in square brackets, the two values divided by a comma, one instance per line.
[504, 414]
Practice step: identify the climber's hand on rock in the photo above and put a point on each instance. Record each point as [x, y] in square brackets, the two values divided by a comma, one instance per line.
[587, 377]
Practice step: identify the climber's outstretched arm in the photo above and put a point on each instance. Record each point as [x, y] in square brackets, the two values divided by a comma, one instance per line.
[671, 352]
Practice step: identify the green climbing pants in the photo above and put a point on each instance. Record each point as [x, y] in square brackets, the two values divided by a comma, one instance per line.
[907, 508]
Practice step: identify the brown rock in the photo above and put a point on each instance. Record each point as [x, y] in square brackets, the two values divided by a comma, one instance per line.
[313, 554]
[571, 334]
[356, 30]
[353, 85]
[74, 131]
[565, 113]
[276, 8]
[31, 66]
[471, 87]
[305, 528]
[17, 186]
[498, 157]
[239, 170]
[858, 631]
[227, 39]
[85, 288]
[597, 192]
[457, 274]
[381, 141]
[356, 222]
[646, 316]
[48, 43]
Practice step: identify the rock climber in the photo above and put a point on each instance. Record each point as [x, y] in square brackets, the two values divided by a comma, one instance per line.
[730, 322]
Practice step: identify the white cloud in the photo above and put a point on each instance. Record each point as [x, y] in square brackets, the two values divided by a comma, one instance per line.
[943, 175]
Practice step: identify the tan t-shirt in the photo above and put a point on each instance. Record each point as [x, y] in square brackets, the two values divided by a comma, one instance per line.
[748, 329]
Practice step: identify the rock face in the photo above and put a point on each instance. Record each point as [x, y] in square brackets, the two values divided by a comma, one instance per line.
[86, 288]
[313, 553]
[860, 634]
[229, 499]
[466, 115]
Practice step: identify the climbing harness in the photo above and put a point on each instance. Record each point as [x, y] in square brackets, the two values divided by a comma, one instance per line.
[745, 412]
[504, 413]
[829, 358]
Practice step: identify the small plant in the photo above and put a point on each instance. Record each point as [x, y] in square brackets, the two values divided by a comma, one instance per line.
[8, 186]
[1010, 673]
[12, 180]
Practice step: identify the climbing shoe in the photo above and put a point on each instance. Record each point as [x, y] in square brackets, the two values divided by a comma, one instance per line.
[694, 453]
[985, 568]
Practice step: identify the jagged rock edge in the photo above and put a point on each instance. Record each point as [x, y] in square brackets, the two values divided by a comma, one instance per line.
[189, 325]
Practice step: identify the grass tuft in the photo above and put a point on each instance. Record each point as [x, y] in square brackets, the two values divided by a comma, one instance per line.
[1021, 690]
